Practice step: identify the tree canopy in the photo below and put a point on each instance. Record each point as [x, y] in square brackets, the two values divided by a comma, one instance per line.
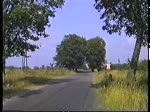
[71, 52]
[95, 53]
[24, 21]
[74, 52]
[130, 16]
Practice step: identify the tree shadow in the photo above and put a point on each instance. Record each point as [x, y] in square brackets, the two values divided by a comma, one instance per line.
[35, 81]
[97, 85]
[5, 92]
[101, 85]
[107, 82]
[29, 93]
[85, 71]
[13, 110]
[23, 93]
[42, 81]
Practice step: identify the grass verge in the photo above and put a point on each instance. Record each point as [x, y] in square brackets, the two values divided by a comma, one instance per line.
[117, 95]
[17, 80]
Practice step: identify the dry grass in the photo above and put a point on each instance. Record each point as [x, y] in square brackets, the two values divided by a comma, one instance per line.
[17, 80]
[117, 95]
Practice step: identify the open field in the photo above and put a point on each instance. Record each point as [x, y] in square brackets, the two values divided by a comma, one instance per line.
[17, 80]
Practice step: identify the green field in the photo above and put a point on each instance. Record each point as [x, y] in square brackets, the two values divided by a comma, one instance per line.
[17, 80]
[117, 95]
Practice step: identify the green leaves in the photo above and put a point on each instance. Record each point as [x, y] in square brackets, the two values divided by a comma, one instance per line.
[127, 15]
[70, 53]
[74, 51]
[95, 52]
[130, 16]
[26, 20]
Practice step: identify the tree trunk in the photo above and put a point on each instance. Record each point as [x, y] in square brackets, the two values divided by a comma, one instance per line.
[92, 69]
[26, 61]
[134, 61]
[138, 45]
[4, 58]
[22, 62]
[4, 73]
[76, 69]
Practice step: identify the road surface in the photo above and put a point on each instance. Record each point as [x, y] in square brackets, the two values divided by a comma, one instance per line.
[71, 94]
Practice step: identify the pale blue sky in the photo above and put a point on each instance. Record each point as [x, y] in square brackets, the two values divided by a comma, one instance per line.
[81, 18]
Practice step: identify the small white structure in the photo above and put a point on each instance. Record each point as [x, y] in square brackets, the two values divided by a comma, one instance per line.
[108, 66]
[87, 66]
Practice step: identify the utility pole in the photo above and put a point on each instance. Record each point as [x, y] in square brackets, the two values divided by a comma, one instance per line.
[26, 60]
[119, 64]
[23, 64]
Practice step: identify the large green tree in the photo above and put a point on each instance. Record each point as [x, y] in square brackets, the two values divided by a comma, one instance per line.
[71, 52]
[24, 21]
[130, 16]
[95, 53]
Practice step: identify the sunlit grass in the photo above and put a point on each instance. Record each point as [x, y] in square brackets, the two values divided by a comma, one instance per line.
[17, 80]
[116, 95]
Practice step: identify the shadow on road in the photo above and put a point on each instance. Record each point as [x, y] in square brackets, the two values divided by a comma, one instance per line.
[56, 81]
[13, 111]
[84, 71]
[106, 83]
[29, 93]
[97, 85]
[40, 81]
[35, 81]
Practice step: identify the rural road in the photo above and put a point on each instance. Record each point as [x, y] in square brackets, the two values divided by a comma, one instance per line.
[71, 94]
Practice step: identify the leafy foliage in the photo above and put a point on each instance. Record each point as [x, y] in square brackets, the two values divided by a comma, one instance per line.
[71, 52]
[95, 52]
[24, 21]
[131, 16]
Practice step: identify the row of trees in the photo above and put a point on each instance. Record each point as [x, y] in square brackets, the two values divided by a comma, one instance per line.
[51, 66]
[142, 66]
[74, 51]
[36, 68]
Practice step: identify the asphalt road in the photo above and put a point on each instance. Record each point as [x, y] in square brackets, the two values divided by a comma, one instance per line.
[70, 94]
